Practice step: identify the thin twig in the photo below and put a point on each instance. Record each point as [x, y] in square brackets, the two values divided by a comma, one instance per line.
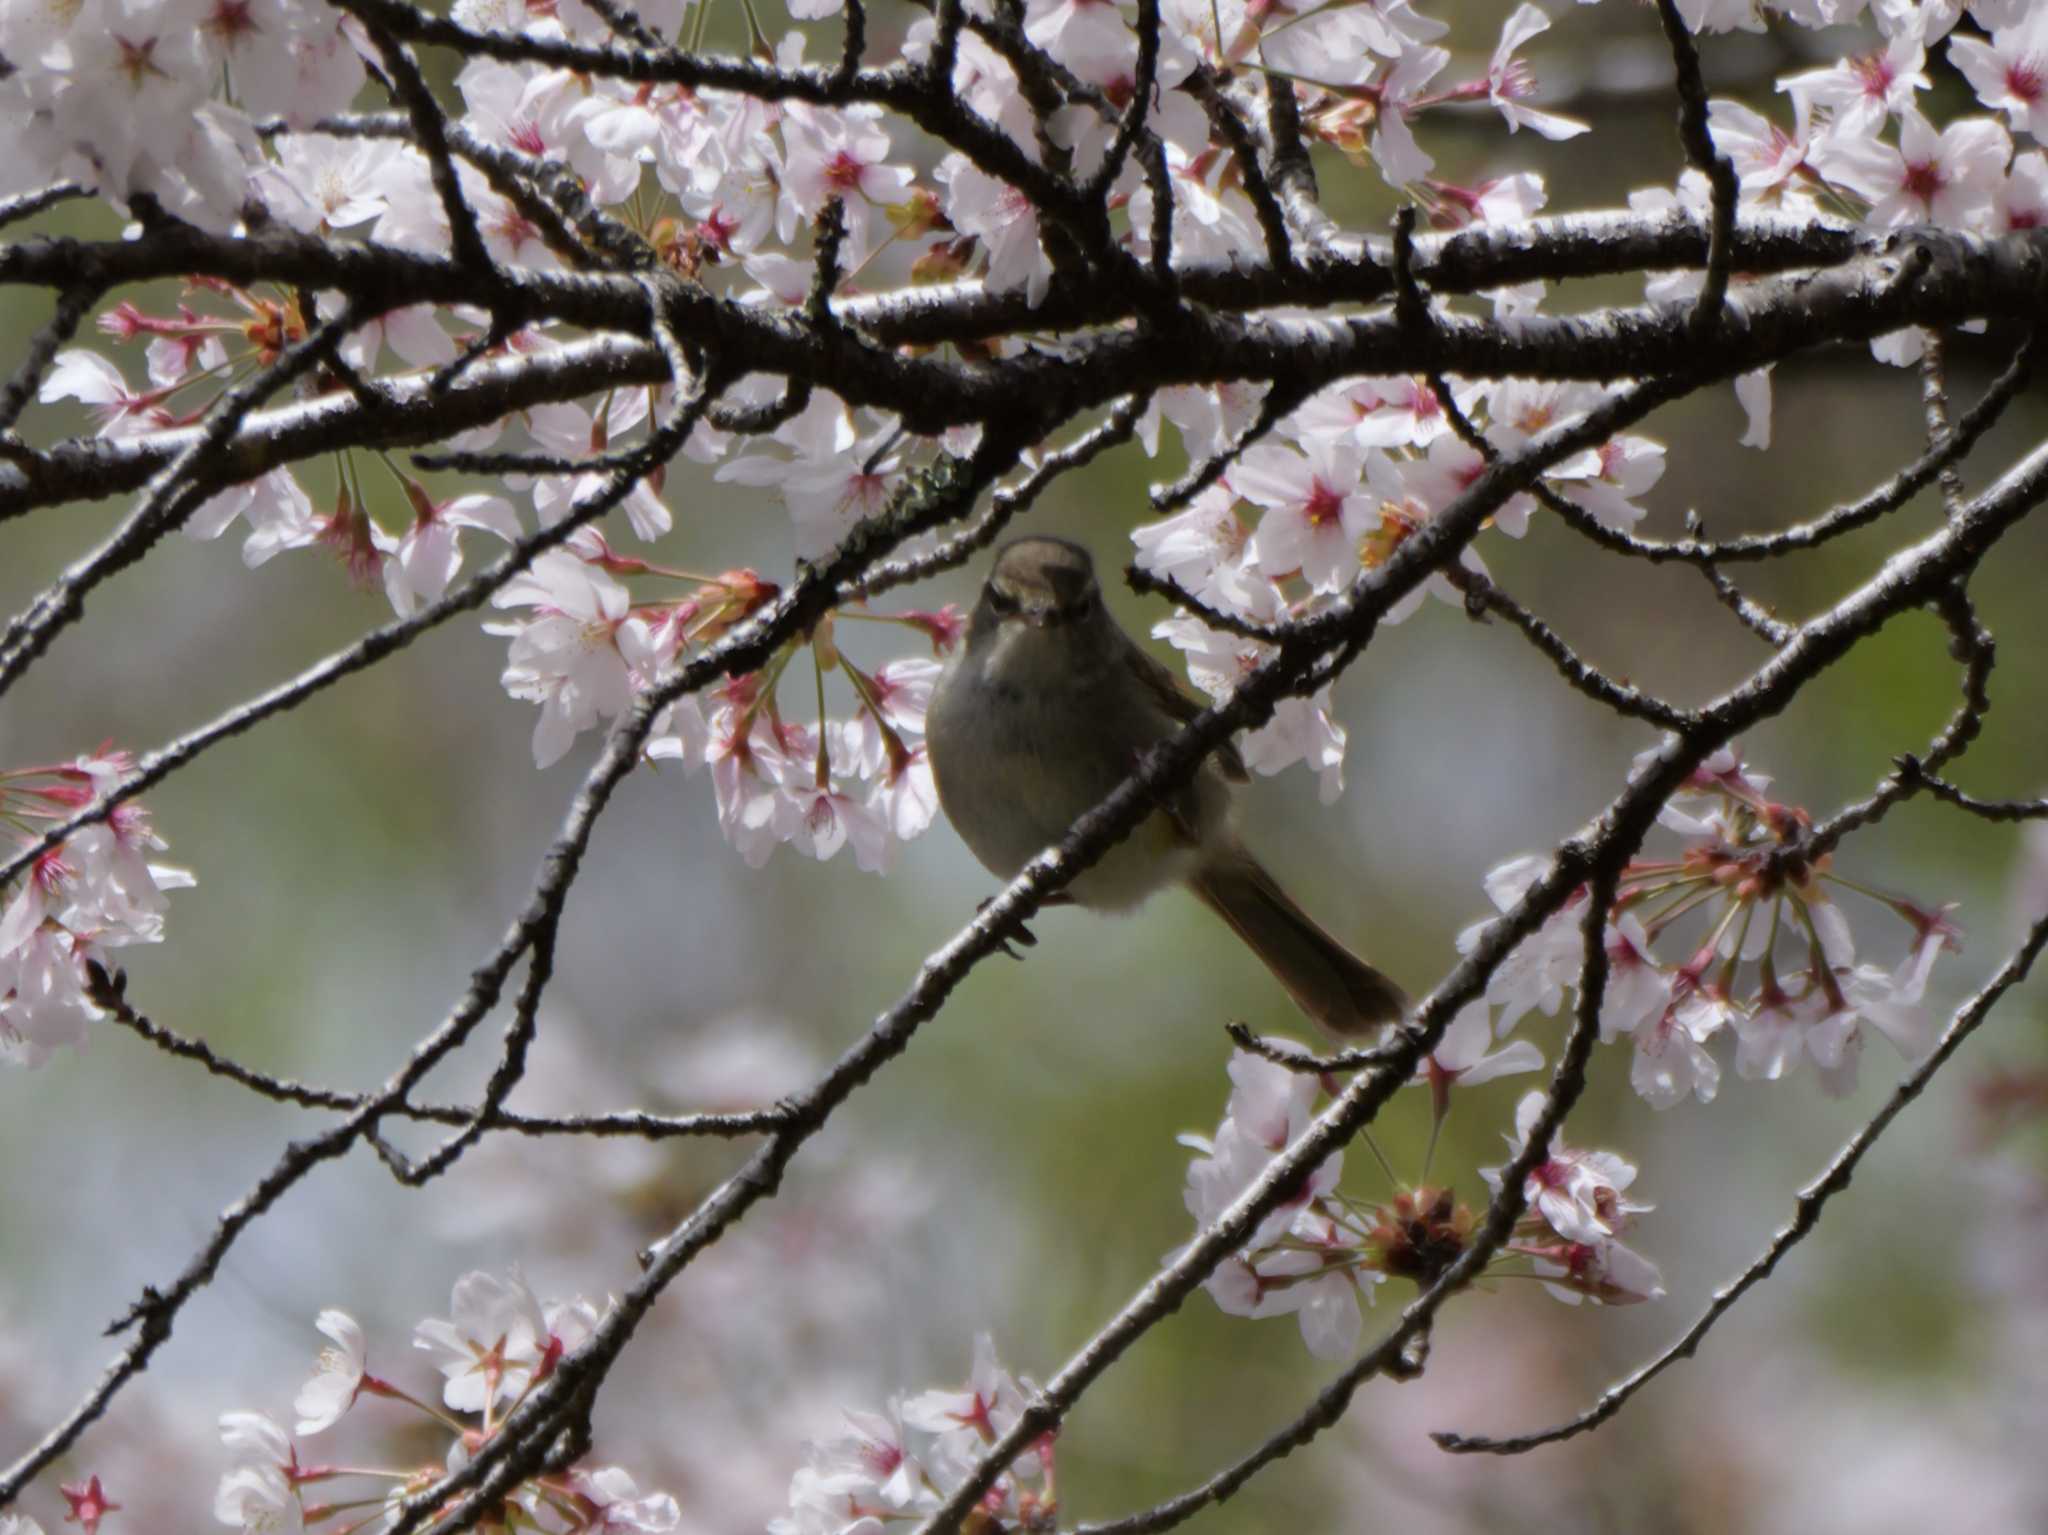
[853, 44]
[73, 305]
[410, 90]
[1989, 809]
[1004, 506]
[1482, 597]
[26, 205]
[1144, 87]
[1888, 497]
[176, 492]
[109, 992]
[1236, 136]
[1149, 583]
[1394, 1349]
[1934, 404]
[1751, 614]
[1280, 398]
[1971, 644]
[1265, 1049]
[686, 409]
[1697, 137]
[1806, 1215]
[626, 22]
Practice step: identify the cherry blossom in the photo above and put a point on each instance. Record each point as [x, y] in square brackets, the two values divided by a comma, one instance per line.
[1301, 729]
[1781, 921]
[572, 656]
[1199, 547]
[1949, 177]
[1509, 80]
[1401, 160]
[1580, 1194]
[95, 382]
[1860, 93]
[98, 892]
[898, 1464]
[572, 432]
[1576, 1208]
[332, 1390]
[1212, 220]
[499, 1342]
[1772, 165]
[1209, 419]
[1315, 505]
[620, 1507]
[1605, 1271]
[88, 1504]
[420, 563]
[2010, 72]
[259, 1492]
[1464, 1057]
[837, 154]
[835, 479]
[1004, 220]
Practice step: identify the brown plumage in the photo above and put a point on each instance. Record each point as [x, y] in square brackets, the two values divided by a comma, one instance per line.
[1046, 707]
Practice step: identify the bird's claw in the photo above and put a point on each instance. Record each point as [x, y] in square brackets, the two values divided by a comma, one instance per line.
[1013, 933]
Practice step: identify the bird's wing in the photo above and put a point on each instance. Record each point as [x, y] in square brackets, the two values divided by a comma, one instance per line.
[1180, 706]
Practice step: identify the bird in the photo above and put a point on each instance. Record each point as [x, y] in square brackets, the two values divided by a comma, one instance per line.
[1044, 707]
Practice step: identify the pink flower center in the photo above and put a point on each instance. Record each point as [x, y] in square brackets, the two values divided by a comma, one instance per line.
[1924, 181]
[231, 19]
[2023, 79]
[138, 60]
[718, 229]
[845, 171]
[1322, 506]
[881, 1459]
[1875, 72]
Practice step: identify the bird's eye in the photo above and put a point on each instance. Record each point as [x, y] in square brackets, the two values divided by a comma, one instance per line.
[999, 600]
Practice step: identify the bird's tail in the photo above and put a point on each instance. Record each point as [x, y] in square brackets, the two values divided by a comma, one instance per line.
[1337, 989]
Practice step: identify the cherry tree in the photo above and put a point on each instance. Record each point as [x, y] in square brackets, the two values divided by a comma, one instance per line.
[463, 299]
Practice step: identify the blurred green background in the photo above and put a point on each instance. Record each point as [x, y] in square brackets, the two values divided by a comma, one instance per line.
[1017, 1171]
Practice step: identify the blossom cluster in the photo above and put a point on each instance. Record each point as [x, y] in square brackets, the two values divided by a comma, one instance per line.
[1322, 1251]
[895, 1467]
[1764, 951]
[1860, 147]
[496, 1345]
[1336, 489]
[92, 893]
[727, 188]
[1769, 960]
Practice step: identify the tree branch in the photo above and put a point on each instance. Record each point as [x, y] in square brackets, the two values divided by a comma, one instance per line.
[1806, 1215]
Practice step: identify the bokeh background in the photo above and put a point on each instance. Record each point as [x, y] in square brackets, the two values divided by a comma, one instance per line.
[1017, 1171]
